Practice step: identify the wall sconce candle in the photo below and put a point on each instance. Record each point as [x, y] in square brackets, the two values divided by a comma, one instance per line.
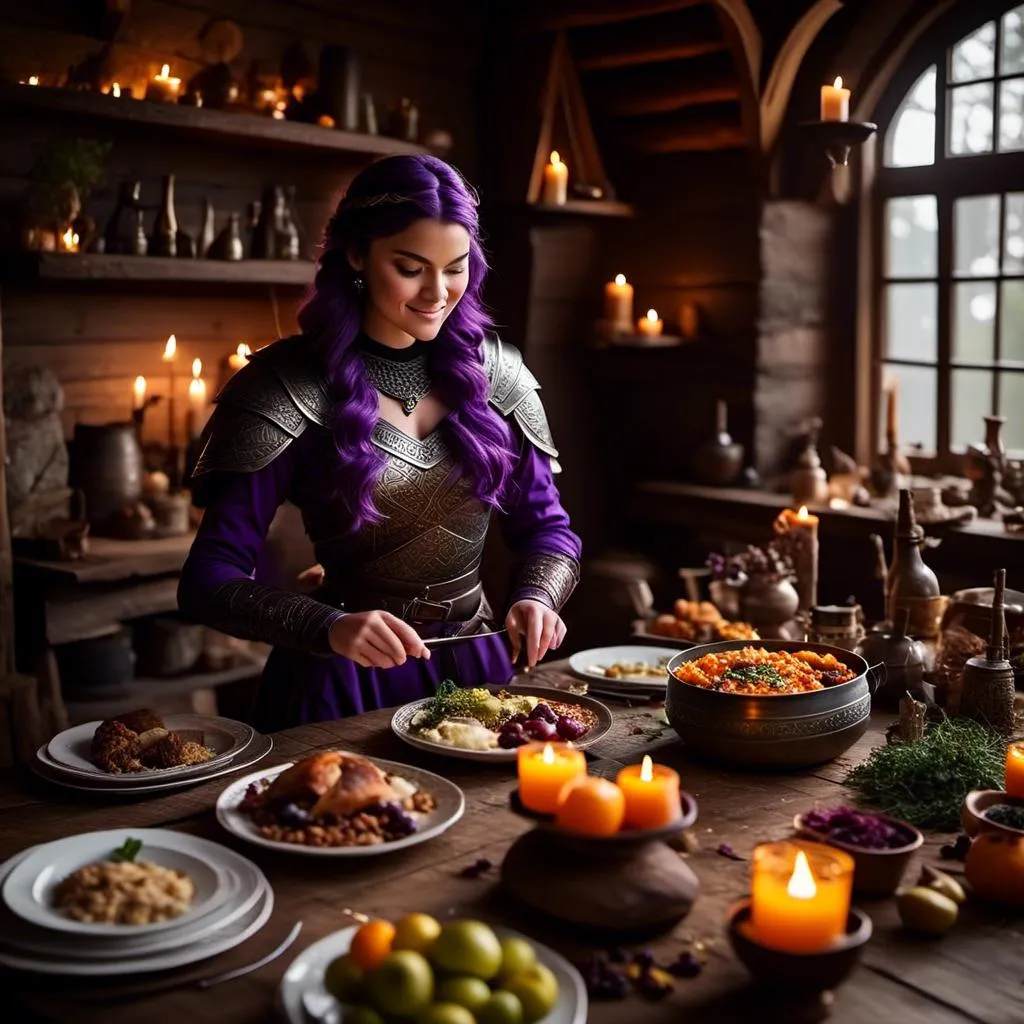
[835, 102]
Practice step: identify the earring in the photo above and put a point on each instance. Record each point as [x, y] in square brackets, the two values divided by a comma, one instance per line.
[359, 283]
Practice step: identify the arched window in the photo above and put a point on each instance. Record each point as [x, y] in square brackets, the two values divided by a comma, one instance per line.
[950, 217]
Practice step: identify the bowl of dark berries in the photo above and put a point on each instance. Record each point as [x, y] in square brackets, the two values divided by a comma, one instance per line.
[881, 847]
[992, 810]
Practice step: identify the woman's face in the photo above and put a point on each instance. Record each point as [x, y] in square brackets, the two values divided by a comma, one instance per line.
[413, 281]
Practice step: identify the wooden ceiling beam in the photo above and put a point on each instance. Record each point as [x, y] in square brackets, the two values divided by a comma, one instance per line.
[674, 36]
[585, 13]
[662, 88]
[696, 140]
[676, 99]
[717, 127]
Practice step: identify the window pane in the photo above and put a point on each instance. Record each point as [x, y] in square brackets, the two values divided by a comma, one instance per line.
[910, 140]
[912, 240]
[971, 119]
[910, 324]
[1011, 325]
[976, 236]
[1013, 258]
[915, 423]
[1011, 59]
[975, 55]
[971, 399]
[1011, 114]
[974, 322]
[1011, 401]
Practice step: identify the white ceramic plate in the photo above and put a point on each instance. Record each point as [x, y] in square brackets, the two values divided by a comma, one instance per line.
[55, 773]
[590, 665]
[303, 982]
[29, 888]
[225, 737]
[192, 952]
[451, 803]
[246, 886]
[401, 725]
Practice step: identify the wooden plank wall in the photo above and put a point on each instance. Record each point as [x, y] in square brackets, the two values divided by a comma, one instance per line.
[99, 337]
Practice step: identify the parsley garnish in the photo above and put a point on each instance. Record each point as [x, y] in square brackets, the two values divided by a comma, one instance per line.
[129, 851]
[749, 675]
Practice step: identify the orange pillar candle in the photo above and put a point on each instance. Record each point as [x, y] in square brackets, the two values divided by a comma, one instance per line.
[1014, 785]
[800, 896]
[652, 794]
[544, 769]
[803, 529]
[590, 806]
[618, 304]
[835, 102]
[650, 325]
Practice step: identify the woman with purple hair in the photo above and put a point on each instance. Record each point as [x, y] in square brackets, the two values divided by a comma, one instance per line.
[398, 424]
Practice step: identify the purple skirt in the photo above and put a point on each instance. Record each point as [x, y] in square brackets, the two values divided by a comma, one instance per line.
[298, 688]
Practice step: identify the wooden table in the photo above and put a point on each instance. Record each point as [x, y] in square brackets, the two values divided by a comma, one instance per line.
[974, 974]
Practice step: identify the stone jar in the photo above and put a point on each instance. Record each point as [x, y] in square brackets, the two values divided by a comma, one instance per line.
[107, 466]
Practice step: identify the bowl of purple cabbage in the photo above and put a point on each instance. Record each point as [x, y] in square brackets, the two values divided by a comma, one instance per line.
[881, 846]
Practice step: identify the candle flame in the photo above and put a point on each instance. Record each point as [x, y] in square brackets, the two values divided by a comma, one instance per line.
[165, 71]
[243, 350]
[548, 757]
[802, 514]
[70, 240]
[33, 79]
[555, 158]
[140, 387]
[652, 315]
[647, 769]
[801, 883]
[115, 90]
[838, 83]
[171, 349]
[197, 368]
[620, 279]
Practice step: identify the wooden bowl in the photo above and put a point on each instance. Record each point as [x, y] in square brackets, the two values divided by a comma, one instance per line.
[798, 972]
[972, 815]
[876, 873]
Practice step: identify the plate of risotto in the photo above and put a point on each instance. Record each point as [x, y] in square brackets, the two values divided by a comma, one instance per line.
[757, 672]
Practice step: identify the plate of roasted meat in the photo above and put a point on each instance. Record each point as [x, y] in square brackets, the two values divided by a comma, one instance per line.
[340, 804]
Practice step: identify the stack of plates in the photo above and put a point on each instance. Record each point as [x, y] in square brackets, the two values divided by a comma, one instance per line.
[591, 665]
[232, 901]
[65, 760]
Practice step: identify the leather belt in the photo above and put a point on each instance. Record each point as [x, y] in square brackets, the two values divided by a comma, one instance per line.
[455, 600]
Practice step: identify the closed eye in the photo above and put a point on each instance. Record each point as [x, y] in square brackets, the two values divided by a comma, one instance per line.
[456, 270]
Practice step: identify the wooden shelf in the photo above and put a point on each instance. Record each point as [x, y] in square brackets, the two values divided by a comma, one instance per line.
[587, 208]
[71, 266]
[245, 129]
[113, 561]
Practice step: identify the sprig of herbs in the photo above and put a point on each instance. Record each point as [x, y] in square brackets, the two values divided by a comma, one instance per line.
[925, 783]
[749, 675]
[128, 851]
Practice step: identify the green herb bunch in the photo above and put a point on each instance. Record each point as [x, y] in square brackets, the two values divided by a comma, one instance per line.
[925, 783]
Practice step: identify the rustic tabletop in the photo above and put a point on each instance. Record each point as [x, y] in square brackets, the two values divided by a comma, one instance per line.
[974, 974]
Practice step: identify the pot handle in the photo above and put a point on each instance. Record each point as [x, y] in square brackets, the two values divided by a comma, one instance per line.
[877, 676]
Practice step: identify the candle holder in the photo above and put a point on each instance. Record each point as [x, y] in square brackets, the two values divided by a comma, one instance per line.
[837, 138]
[628, 882]
[800, 983]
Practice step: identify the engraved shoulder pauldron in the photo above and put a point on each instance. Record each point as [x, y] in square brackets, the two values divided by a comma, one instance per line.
[262, 409]
[514, 393]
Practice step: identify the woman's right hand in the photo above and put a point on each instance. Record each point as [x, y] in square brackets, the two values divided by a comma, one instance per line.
[376, 639]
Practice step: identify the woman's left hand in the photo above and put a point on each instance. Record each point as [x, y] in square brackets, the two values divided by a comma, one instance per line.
[537, 627]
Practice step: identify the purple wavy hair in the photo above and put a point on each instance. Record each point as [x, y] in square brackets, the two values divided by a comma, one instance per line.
[477, 436]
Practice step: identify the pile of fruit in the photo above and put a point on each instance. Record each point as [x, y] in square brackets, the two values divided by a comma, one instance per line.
[542, 723]
[460, 973]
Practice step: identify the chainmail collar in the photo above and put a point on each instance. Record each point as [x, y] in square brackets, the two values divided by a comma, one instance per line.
[399, 373]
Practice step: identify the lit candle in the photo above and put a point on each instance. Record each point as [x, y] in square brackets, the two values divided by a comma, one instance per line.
[835, 102]
[590, 806]
[652, 794]
[139, 392]
[33, 79]
[556, 181]
[618, 304]
[196, 400]
[1015, 770]
[239, 357]
[115, 90]
[800, 896]
[163, 88]
[69, 240]
[891, 411]
[544, 769]
[169, 357]
[650, 325]
[802, 528]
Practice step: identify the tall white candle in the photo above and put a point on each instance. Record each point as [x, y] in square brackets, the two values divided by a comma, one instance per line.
[556, 181]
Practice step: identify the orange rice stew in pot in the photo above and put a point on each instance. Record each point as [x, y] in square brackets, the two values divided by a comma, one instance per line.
[757, 672]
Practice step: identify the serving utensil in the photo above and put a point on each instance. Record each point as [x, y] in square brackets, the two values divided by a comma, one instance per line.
[441, 641]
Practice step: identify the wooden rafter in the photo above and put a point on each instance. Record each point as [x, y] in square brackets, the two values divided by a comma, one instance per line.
[704, 128]
[744, 37]
[661, 88]
[547, 17]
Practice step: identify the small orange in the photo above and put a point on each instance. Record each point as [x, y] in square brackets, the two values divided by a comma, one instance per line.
[372, 944]
[591, 806]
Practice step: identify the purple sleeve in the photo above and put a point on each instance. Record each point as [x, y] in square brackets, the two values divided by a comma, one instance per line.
[537, 530]
[217, 586]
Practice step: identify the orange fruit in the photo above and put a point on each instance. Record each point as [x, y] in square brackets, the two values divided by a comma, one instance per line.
[371, 944]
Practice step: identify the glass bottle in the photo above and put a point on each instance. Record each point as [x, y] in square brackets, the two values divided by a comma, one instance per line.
[908, 576]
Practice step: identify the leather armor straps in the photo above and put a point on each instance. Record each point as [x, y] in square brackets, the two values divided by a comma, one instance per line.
[549, 579]
[252, 611]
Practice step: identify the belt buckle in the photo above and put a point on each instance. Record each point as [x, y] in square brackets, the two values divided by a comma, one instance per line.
[429, 611]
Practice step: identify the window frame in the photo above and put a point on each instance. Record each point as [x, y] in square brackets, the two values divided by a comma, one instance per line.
[948, 178]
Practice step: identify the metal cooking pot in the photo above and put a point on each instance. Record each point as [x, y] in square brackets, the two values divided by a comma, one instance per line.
[794, 730]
